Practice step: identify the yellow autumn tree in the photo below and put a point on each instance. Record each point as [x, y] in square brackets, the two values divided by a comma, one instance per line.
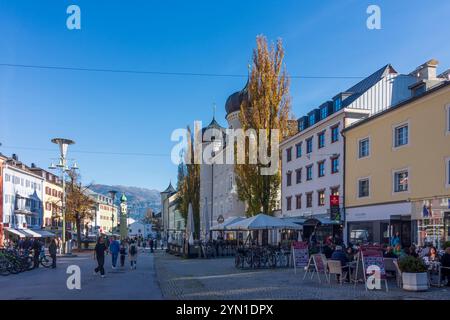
[266, 106]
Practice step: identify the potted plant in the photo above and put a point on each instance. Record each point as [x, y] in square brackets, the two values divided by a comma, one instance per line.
[414, 274]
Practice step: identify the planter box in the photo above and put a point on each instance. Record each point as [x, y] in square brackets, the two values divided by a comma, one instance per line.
[415, 281]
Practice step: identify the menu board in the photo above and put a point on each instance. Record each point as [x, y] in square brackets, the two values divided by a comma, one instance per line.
[318, 262]
[373, 257]
[300, 254]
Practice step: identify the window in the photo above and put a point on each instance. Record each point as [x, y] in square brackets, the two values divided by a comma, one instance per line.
[337, 104]
[335, 134]
[401, 181]
[309, 199]
[309, 172]
[363, 188]
[298, 201]
[7, 177]
[334, 191]
[321, 168]
[298, 149]
[448, 172]
[312, 119]
[401, 136]
[289, 154]
[27, 183]
[288, 178]
[298, 176]
[309, 145]
[321, 140]
[288, 203]
[321, 198]
[364, 146]
[335, 165]
[323, 113]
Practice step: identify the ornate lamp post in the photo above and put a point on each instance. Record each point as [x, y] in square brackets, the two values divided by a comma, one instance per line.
[62, 166]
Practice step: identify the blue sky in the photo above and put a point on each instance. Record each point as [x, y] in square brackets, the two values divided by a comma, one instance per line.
[131, 113]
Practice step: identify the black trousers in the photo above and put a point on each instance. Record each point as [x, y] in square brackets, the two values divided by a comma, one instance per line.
[101, 263]
[36, 261]
[122, 260]
[53, 260]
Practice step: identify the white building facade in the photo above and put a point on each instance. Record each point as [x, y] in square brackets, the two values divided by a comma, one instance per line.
[22, 198]
[312, 160]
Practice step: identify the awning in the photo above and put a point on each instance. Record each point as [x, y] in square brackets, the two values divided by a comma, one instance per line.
[16, 232]
[31, 233]
[320, 221]
[45, 233]
[262, 222]
[228, 221]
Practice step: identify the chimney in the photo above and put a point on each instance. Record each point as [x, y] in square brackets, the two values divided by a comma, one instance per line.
[15, 157]
[33, 165]
[426, 71]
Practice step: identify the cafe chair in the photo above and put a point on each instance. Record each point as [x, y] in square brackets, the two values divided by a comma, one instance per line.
[335, 267]
[398, 275]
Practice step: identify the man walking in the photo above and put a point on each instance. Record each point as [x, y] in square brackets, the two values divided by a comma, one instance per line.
[133, 254]
[36, 252]
[99, 254]
[52, 251]
[114, 248]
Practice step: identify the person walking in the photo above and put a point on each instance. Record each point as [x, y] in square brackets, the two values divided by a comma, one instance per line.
[114, 248]
[123, 253]
[52, 248]
[133, 254]
[150, 243]
[36, 253]
[99, 254]
[155, 243]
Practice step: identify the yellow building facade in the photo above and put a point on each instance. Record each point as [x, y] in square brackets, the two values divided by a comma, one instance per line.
[397, 169]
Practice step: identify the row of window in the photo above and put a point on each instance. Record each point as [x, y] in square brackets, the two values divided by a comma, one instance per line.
[107, 208]
[52, 207]
[400, 138]
[53, 192]
[105, 217]
[309, 199]
[309, 143]
[400, 183]
[334, 168]
[23, 182]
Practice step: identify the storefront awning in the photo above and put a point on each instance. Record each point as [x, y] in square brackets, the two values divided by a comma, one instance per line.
[31, 233]
[320, 221]
[45, 233]
[16, 232]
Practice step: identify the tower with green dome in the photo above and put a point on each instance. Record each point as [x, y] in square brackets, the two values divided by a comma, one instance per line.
[123, 217]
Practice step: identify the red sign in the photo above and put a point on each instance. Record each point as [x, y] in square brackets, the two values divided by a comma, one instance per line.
[334, 201]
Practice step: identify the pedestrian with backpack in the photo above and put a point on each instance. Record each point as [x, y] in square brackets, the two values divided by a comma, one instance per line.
[123, 253]
[133, 254]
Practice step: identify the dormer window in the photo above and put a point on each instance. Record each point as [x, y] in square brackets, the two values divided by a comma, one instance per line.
[323, 113]
[337, 104]
[312, 119]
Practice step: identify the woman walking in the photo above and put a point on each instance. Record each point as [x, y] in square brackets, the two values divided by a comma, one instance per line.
[133, 254]
[99, 254]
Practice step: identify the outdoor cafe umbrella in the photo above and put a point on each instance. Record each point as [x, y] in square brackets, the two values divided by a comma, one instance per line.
[206, 219]
[190, 225]
[262, 222]
[228, 221]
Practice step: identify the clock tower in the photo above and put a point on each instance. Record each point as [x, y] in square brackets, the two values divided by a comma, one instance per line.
[123, 217]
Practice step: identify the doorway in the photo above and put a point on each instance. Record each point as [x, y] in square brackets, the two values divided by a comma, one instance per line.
[402, 225]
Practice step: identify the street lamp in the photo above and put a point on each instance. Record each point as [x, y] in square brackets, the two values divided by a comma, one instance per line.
[62, 166]
[113, 196]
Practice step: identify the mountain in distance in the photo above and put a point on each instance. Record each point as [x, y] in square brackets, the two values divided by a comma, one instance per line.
[139, 199]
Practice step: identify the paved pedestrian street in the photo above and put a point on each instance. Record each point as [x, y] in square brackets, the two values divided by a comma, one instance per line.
[219, 279]
[51, 283]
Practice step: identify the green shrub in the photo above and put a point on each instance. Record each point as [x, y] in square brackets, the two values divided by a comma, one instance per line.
[410, 264]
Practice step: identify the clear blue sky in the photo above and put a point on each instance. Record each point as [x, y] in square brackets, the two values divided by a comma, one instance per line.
[137, 113]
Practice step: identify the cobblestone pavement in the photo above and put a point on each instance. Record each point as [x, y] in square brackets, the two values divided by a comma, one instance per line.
[119, 284]
[218, 279]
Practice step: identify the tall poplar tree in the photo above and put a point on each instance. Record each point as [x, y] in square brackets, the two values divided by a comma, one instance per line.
[266, 106]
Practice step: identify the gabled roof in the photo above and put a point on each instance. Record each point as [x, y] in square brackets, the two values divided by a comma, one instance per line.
[358, 89]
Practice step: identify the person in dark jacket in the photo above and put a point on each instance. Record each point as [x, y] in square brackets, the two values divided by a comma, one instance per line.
[339, 255]
[52, 251]
[99, 254]
[36, 252]
[445, 262]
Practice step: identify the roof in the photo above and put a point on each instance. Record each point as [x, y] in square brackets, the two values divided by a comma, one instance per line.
[358, 89]
[397, 106]
[234, 101]
[169, 189]
[123, 198]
